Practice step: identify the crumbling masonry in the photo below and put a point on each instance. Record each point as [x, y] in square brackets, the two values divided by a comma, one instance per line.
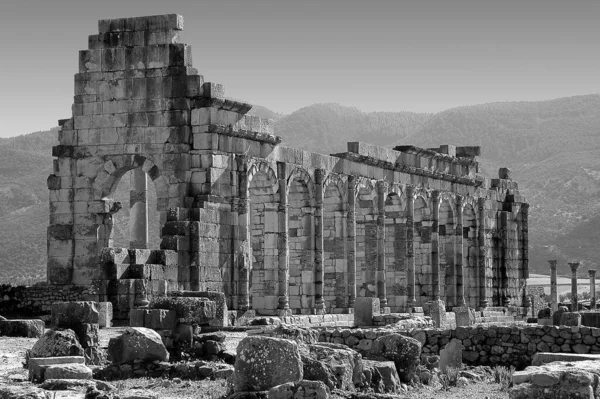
[274, 228]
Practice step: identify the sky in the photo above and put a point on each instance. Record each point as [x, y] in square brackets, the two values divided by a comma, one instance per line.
[376, 55]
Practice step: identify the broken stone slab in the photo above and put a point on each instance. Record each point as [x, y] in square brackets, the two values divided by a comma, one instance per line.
[137, 343]
[57, 343]
[541, 358]
[558, 380]
[189, 310]
[29, 392]
[364, 310]
[68, 371]
[451, 355]
[64, 384]
[405, 352]
[37, 365]
[22, 328]
[66, 314]
[264, 362]
[337, 366]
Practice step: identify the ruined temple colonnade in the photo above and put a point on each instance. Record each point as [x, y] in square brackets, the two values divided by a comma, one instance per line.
[276, 229]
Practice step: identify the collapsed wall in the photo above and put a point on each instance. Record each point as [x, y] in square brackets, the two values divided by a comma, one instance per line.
[278, 230]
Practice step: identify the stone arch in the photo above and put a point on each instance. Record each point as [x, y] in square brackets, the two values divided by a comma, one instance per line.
[334, 179]
[105, 185]
[470, 250]
[446, 251]
[263, 225]
[366, 238]
[335, 282]
[301, 241]
[395, 250]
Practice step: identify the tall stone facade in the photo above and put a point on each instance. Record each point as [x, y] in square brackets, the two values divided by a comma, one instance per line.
[272, 227]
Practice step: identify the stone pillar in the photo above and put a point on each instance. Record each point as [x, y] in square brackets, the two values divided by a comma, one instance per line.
[460, 282]
[435, 261]
[574, 300]
[351, 241]
[244, 260]
[319, 300]
[411, 301]
[283, 252]
[592, 274]
[553, 287]
[138, 210]
[381, 283]
[483, 303]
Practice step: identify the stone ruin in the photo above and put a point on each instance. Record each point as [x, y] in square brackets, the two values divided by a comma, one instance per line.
[277, 230]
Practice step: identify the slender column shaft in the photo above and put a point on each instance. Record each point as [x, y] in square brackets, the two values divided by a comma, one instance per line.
[410, 257]
[460, 283]
[381, 283]
[283, 252]
[244, 261]
[553, 287]
[138, 212]
[319, 260]
[574, 299]
[592, 274]
[435, 261]
[351, 240]
[483, 302]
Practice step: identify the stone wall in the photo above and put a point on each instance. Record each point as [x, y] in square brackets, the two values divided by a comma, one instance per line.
[37, 300]
[277, 229]
[506, 345]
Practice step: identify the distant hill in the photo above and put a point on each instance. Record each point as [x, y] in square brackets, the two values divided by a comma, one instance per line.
[553, 148]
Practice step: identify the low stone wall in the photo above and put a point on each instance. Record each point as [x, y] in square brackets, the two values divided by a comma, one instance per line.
[198, 370]
[37, 300]
[326, 320]
[506, 345]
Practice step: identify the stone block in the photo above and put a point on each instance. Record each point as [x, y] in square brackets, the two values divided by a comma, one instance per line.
[68, 371]
[364, 310]
[465, 316]
[22, 328]
[571, 319]
[451, 355]
[137, 317]
[160, 319]
[541, 358]
[72, 313]
[37, 365]
[105, 314]
[189, 310]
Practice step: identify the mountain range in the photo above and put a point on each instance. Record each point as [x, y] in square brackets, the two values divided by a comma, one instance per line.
[552, 148]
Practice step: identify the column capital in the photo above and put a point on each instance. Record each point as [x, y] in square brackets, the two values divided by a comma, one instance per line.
[553, 263]
[574, 266]
[592, 272]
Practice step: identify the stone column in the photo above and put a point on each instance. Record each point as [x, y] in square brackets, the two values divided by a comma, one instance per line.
[435, 261]
[381, 283]
[592, 274]
[351, 241]
[574, 300]
[553, 287]
[411, 301]
[483, 303]
[460, 282]
[138, 210]
[319, 260]
[283, 253]
[244, 261]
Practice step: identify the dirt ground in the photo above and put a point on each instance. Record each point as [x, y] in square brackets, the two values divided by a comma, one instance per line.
[12, 355]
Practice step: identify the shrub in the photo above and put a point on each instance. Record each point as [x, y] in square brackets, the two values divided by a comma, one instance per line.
[449, 377]
[504, 377]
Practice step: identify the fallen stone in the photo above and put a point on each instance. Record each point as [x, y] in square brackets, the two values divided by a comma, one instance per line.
[451, 355]
[189, 310]
[137, 343]
[264, 362]
[338, 366]
[37, 365]
[23, 392]
[87, 334]
[63, 384]
[300, 390]
[405, 352]
[57, 343]
[570, 319]
[542, 358]
[214, 336]
[223, 373]
[22, 328]
[66, 314]
[68, 371]
[390, 380]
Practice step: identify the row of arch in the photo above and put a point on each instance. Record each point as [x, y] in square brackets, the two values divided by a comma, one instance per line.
[381, 224]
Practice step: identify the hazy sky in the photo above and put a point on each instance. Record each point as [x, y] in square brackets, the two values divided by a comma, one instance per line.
[384, 55]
